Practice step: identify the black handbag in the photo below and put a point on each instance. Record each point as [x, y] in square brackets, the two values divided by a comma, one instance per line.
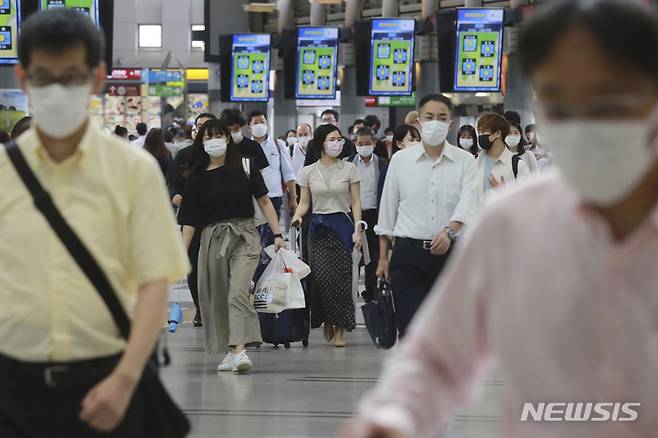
[380, 317]
[163, 418]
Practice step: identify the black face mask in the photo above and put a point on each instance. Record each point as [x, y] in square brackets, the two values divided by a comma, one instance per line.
[484, 141]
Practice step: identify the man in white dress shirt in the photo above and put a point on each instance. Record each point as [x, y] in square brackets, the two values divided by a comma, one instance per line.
[428, 196]
[370, 168]
[279, 172]
[304, 135]
[142, 130]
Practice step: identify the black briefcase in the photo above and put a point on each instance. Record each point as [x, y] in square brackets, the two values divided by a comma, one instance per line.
[380, 317]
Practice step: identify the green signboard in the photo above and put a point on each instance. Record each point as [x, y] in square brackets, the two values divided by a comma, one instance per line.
[164, 90]
[397, 101]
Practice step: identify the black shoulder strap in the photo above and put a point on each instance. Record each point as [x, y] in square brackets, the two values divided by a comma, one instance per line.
[515, 164]
[79, 252]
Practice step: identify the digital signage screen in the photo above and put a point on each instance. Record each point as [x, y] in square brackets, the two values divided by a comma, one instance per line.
[317, 60]
[479, 49]
[250, 67]
[392, 57]
[10, 21]
[87, 7]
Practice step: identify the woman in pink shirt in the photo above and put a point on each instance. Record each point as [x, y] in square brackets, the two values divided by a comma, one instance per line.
[574, 328]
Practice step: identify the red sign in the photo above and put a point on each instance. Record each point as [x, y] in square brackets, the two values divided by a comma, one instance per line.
[370, 101]
[126, 74]
[123, 90]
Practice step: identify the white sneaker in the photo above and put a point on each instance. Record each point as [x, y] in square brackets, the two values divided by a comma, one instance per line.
[241, 362]
[228, 363]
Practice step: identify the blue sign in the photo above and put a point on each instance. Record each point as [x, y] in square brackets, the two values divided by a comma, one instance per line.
[163, 77]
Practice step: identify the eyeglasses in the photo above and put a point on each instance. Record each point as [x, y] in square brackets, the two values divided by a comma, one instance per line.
[603, 107]
[339, 140]
[43, 80]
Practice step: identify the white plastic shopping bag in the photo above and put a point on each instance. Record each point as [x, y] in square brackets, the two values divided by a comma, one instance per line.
[279, 288]
[291, 260]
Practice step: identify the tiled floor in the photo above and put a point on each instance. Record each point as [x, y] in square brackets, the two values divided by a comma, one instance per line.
[293, 393]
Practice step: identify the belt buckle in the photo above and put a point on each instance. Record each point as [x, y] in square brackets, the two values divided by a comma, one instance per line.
[50, 374]
[427, 245]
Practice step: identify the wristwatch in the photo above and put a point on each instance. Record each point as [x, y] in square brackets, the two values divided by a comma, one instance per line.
[451, 233]
[279, 236]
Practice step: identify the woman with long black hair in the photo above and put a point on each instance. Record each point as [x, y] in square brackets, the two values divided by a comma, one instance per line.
[218, 200]
[333, 185]
[155, 145]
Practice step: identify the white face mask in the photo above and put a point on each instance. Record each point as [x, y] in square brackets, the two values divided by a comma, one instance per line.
[513, 140]
[602, 160]
[259, 130]
[389, 138]
[434, 132]
[365, 151]
[291, 141]
[59, 111]
[466, 143]
[303, 141]
[413, 144]
[237, 136]
[215, 147]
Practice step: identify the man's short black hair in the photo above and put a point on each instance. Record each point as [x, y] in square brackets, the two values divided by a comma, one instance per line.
[121, 131]
[57, 30]
[436, 98]
[232, 117]
[332, 112]
[359, 122]
[256, 113]
[512, 117]
[204, 116]
[627, 29]
[372, 121]
[142, 129]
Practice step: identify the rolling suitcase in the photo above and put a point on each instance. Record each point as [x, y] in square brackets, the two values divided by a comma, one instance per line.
[293, 325]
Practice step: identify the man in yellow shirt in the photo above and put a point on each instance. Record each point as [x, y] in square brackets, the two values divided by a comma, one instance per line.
[64, 370]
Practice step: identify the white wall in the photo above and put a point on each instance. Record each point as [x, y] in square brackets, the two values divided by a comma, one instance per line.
[176, 18]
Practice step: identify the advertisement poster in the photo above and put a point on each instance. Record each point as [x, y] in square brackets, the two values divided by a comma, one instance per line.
[317, 59]
[13, 107]
[392, 57]
[87, 7]
[479, 49]
[250, 68]
[9, 25]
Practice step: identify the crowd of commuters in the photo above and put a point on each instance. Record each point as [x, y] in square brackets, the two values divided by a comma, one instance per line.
[441, 222]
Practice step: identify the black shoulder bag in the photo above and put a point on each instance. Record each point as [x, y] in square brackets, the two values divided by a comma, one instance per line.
[163, 418]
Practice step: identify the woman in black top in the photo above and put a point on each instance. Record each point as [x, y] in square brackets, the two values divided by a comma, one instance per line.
[154, 144]
[218, 199]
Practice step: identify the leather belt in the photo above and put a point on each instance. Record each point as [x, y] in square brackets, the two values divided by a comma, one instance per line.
[413, 243]
[57, 374]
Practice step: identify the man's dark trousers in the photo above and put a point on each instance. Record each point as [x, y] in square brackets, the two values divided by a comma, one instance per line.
[267, 239]
[32, 408]
[413, 272]
[370, 217]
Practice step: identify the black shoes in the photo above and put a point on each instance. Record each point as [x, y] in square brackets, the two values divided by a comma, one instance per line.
[197, 320]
